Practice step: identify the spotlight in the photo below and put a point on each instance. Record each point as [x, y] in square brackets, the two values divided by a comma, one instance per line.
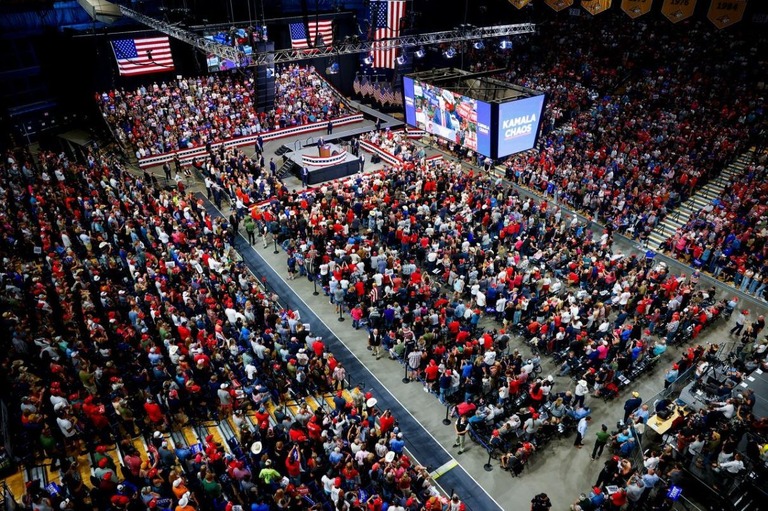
[505, 44]
[449, 53]
[401, 60]
[333, 69]
[420, 53]
[368, 60]
[479, 45]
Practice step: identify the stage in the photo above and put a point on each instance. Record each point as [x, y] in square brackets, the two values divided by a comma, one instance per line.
[325, 162]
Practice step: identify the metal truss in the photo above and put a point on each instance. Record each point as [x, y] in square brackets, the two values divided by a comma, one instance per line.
[211, 47]
[458, 35]
[406, 41]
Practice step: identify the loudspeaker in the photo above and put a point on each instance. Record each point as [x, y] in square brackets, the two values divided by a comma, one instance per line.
[265, 78]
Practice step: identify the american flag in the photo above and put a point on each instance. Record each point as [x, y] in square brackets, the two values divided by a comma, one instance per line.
[385, 20]
[356, 85]
[141, 56]
[390, 97]
[299, 33]
[377, 92]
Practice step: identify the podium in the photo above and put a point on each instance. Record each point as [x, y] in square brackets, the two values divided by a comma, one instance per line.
[324, 150]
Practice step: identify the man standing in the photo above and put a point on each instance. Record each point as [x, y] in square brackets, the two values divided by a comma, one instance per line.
[461, 433]
[177, 163]
[362, 162]
[602, 438]
[581, 431]
[541, 502]
[329, 128]
[259, 146]
[208, 184]
[167, 170]
[374, 341]
[632, 404]
[272, 167]
[304, 176]
[250, 228]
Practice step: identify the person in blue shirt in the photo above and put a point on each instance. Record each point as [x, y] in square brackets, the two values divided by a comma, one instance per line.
[335, 457]
[396, 444]
[627, 447]
[597, 499]
[671, 376]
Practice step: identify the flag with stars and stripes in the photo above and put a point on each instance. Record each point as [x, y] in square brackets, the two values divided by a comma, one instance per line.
[142, 56]
[385, 21]
[321, 28]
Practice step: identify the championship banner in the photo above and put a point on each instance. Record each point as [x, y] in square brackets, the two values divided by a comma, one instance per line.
[724, 13]
[596, 6]
[559, 5]
[636, 8]
[678, 10]
[519, 3]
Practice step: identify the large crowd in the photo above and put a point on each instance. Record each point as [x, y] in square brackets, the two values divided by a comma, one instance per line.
[727, 237]
[190, 112]
[705, 450]
[617, 143]
[640, 150]
[424, 261]
[129, 315]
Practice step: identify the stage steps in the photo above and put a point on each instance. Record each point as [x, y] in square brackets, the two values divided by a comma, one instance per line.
[282, 150]
[285, 169]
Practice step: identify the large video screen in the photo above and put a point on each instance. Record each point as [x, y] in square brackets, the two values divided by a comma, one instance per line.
[458, 118]
[519, 125]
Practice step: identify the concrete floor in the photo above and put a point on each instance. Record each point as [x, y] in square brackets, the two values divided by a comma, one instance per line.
[558, 469]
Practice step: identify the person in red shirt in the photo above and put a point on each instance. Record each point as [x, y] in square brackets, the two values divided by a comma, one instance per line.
[154, 413]
[351, 475]
[374, 503]
[318, 347]
[386, 422]
[293, 465]
[314, 429]
[262, 418]
[296, 434]
[431, 374]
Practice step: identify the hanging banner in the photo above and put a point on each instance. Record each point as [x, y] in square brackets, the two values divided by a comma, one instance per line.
[724, 13]
[520, 3]
[596, 6]
[559, 5]
[636, 8]
[678, 10]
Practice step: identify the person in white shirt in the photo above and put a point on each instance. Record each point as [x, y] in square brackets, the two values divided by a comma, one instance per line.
[489, 358]
[726, 409]
[732, 467]
[695, 447]
[580, 392]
